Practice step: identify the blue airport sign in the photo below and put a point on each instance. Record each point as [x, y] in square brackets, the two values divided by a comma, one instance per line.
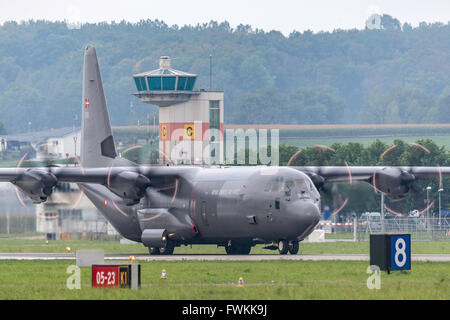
[400, 252]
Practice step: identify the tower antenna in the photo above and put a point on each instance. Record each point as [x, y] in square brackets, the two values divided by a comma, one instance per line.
[210, 71]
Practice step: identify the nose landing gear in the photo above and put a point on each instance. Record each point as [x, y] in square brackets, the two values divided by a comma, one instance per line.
[284, 247]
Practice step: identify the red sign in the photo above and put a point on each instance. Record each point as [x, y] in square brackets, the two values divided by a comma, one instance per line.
[108, 276]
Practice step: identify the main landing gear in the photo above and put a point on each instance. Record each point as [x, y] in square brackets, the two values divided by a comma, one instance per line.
[168, 249]
[237, 248]
[285, 246]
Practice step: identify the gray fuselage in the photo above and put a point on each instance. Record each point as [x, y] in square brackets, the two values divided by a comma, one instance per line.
[248, 204]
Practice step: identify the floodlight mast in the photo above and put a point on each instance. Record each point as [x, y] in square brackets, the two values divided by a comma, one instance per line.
[439, 192]
[428, 207]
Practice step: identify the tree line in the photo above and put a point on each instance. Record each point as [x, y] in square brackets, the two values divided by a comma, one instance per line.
[398, 74]
[362, 197]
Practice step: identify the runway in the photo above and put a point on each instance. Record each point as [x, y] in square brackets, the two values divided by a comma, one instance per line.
[220, 257]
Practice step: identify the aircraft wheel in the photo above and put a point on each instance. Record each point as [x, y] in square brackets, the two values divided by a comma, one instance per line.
[153, 250]
[293, 247]
[230, 249]
[167, 249]
[283, 247]
[238, 249]
[244, 249]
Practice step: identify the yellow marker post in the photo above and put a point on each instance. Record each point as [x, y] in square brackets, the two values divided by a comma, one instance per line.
[164, 274]
[240, 282]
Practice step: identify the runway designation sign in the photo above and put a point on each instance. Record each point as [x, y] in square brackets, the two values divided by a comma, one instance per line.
[111, 276]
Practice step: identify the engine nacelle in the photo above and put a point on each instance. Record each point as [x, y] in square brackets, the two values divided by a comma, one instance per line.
[154, 238]
[37, 184]
[129, 185]
[394, 182]
[179, 224]
[318, 180]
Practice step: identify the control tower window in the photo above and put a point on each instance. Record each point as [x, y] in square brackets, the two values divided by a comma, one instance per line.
[214, 114]
[168, 83]
[214, 125]
[154, 83]
[190, 83]
[181, 83]
[140, 84]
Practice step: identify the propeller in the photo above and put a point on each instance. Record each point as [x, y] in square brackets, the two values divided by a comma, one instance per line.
[331, 190]
[404, 192]
[33, 179]
[413, 197]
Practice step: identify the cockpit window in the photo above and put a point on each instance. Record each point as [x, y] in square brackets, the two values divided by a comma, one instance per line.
[277, 184]
[274, 185]
[290, 185]
[302, 187]
[301, 184]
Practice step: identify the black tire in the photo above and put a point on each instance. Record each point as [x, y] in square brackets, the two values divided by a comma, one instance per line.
[153, 251]
[238, 249]
[283, 247]
[244, 249]
[168, 249]
[230, 249]
[293, 247]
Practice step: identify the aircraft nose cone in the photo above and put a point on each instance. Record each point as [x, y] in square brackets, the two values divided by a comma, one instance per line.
[312, 213]
[305, 216]
[305, 211]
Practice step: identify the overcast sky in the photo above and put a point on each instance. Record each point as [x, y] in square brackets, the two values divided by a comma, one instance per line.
[282, 15]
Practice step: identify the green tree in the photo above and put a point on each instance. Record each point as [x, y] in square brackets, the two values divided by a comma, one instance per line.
[315, 105]
[441, 114]
[382, 76]
[399, 105]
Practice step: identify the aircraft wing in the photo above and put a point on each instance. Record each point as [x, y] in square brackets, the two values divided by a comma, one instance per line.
[350, 173]
[393, 181]
[129, 183]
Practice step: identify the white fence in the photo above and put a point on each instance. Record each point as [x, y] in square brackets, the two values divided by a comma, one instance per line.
[420, 228]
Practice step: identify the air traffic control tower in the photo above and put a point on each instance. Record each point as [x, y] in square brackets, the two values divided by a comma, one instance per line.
[190, 121]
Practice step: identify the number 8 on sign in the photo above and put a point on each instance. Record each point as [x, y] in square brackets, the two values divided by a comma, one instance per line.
[401, 252]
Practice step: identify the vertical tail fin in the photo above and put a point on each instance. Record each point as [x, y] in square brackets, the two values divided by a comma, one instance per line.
[97, 142]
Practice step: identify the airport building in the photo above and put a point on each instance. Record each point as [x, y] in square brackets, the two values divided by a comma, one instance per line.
[49, 144]
[190, 121]
[68, 213]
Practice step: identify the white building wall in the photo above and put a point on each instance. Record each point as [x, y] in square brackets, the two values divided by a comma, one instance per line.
[62, 145]
[195, 110]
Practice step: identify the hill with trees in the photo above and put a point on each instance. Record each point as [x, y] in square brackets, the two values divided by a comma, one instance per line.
[398, 74]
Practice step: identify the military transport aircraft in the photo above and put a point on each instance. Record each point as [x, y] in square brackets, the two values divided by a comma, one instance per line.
[168, 206]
